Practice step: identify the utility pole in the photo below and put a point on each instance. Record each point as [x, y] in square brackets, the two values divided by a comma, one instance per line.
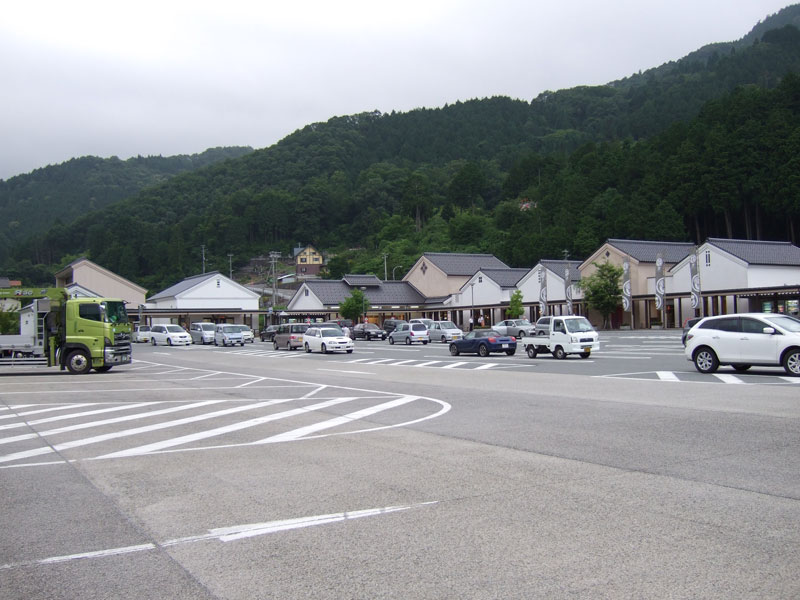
[203, 248]
[230, 266]
[273, 259]
[385, 272]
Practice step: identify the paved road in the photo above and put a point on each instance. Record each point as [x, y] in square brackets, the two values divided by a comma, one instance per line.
[204, 472]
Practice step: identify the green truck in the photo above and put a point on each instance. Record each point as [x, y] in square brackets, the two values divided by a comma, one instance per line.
[77, 334]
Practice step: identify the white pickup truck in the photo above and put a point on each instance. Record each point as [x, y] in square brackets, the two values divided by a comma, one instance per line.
[568, 335]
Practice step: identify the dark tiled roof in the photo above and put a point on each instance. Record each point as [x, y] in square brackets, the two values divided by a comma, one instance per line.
[332, 292]
[558, 266]
[505, 278]
[673, 252]
[464, 264]
[362, 280]
[760, 253]
[182, 286]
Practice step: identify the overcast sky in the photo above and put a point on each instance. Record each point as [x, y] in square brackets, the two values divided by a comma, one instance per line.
[171, 77]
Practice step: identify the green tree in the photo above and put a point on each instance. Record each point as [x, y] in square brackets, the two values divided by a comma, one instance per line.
[354, 306]
[602, 290]
[515, 309]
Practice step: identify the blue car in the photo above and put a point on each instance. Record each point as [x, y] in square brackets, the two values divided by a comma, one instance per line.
[483, 342]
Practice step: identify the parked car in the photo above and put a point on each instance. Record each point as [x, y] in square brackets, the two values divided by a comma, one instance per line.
[341, 323]
[484, 341]
[247, 333]
[202, 333]
[171, 335]
[543, 325]
[142, 333]
[744, 340]
[336, 325]
[326, 339]
[410, 333]
[426, 322]
[267, 333]
[389, 325]
[444, 331]
[289, 336]
[368, 331]
[228, 334]
[516, 327]
[688, 324]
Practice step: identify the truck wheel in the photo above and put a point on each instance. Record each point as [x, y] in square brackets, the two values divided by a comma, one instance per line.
[559, 353]
[585, 354]
[532, 352]
[78, 363]
[105, 369]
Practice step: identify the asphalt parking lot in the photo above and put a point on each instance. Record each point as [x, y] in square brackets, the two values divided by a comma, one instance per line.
[207, 472]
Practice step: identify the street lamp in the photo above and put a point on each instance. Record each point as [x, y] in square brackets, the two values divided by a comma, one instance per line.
[472, 303]
[397, 267]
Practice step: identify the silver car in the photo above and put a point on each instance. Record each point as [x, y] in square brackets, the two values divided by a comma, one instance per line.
[409, 333]
[228, 335]
[516, 327]
[202, 333]
[444, 331]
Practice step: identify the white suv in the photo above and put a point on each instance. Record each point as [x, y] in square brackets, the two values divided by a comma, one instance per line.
[744, 340]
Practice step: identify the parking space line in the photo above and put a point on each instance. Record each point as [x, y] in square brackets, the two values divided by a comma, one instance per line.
[725, 378]
[667, 376]
[791, 379]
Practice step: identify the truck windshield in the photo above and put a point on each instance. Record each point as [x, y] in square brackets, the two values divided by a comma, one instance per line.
[114, 312]
[578, 325]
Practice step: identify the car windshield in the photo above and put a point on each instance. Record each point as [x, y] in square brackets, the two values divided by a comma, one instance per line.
[448, 325]
[144, 328]
[207, 326]
[331, 333]
[174, 328]
[370, 326]
[115, 312]
[578, 325]
[230, 329]
[785, 322]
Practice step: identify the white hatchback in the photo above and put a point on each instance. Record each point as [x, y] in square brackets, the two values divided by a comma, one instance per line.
[171, 335]
[326, 339]
[745, 340]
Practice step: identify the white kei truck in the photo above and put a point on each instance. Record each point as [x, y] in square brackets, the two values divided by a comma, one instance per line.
[568, 335]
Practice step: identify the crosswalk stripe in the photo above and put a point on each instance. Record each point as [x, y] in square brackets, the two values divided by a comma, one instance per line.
[45, 410]
[791, 379]
[454, 365]
[226, 429]
[725, 378]
[486, 366]
[430, 362]
[354, 416]
[667, 376]
[76, 415]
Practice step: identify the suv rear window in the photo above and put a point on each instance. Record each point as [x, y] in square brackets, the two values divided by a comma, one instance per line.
[726, 324]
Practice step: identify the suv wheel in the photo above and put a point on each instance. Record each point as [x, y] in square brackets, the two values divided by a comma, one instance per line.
[791, 362]
[705, 360]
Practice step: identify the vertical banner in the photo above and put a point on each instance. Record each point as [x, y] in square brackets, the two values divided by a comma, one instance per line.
[568, 290]
[543, 291]
[627, 302]
[660, 306]
[695, 277]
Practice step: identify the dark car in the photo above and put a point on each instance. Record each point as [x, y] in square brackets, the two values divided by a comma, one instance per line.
[368, 331]
[483, 342]
[268, 333]
[389, 325]
[687, 326]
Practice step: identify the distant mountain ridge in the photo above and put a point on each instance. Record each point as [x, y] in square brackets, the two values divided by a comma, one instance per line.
[34, 201]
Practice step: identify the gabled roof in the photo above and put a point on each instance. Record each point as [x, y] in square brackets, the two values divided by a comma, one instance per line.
[332, 292]
[190, 282]
[558, 266]
[757, 252]
[505, 278]
[644, 251]
[362, 280]
[464, 264]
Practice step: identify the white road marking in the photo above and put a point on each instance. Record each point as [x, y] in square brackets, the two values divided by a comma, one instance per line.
[226, 534]
[454, 365]
[791, 379]
[348, 372]
[45, 410]
[667, 376]
[725, 378]
[76, 415]
[354, 416]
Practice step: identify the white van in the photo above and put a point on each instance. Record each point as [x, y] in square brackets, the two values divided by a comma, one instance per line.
[228, 334]
[202, 332]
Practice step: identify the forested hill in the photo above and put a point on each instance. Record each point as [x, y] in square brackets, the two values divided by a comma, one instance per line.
[32, 202]
[700, 151]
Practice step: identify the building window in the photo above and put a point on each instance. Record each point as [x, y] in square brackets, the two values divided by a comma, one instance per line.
[218, 284]
[480, 279]
[303, 259]
[708, 258]
[306, 291]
